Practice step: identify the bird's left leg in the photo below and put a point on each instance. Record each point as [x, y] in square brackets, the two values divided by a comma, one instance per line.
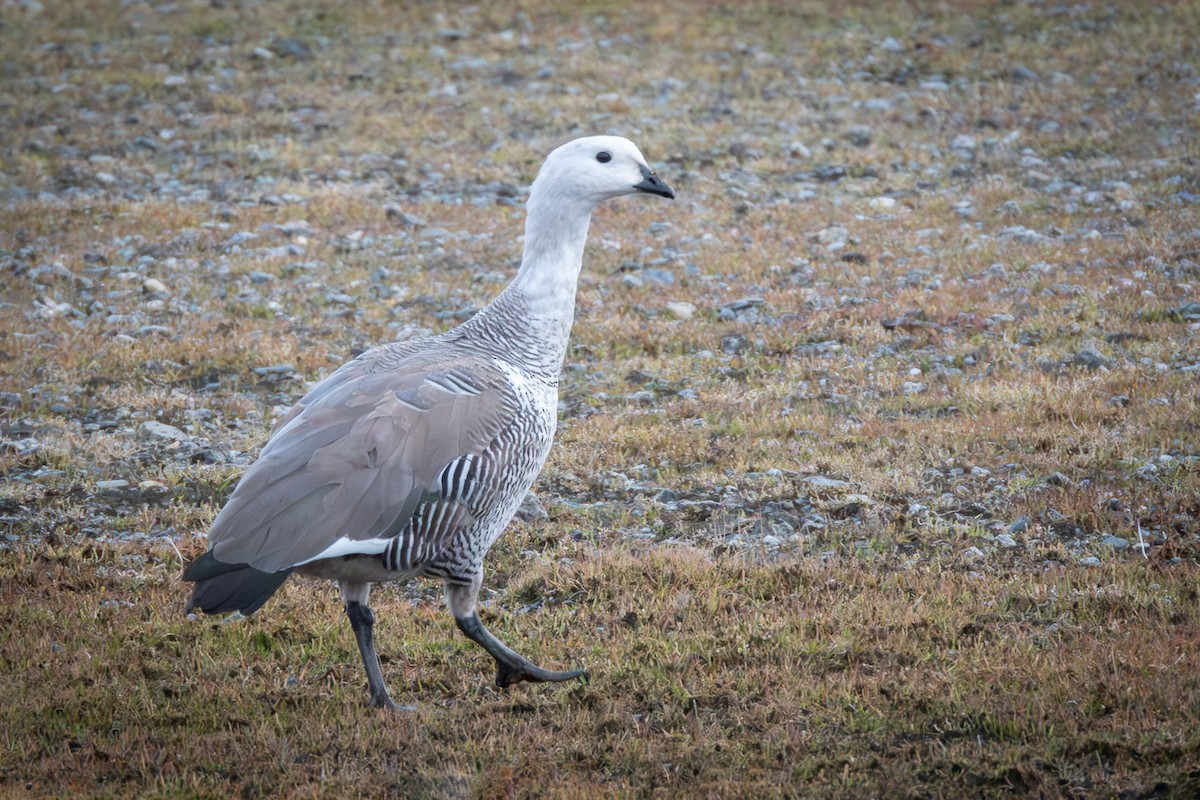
[362, 621]
[510, 667]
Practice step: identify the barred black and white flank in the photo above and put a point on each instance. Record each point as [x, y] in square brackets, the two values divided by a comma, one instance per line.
[411, 459]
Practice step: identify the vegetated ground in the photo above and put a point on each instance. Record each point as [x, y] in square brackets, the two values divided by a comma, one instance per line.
[878, 467]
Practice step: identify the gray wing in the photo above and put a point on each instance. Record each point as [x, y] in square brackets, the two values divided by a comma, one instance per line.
[366, 450]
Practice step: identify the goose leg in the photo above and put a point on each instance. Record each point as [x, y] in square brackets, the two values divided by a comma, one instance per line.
[510, 666]
[362, 622]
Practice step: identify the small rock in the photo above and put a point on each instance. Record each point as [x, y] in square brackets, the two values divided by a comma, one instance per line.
[1058, 479]
[798, 150]
[667, 496]
[891, 45]
[1005, 540]
[681, 310]
[278, 370]
[882, 203]
[1020, 525]
[1089, 358]
[174, 80]
[153, 430]
[1023, 74]
[859, 135]
[1023, 235]
[964, 141]
[833, 236]
[1089, 561]
[292, 48]
[972, 554]
[825, 482]
[1115, 542]
[154, 286]
[531, 509]
[296, 227]
[659, 276]
[1188, 312]
[734, 344]
[106, 486]
[241, 237]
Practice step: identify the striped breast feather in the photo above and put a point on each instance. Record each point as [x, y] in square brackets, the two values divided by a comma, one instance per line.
[351, 468]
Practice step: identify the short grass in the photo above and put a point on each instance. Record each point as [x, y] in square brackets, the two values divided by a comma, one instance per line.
[887, 641]
[731, 677]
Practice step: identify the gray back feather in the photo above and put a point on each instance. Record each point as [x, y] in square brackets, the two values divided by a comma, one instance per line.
[361, 453]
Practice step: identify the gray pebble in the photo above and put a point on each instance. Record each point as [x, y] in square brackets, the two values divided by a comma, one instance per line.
[153, 430]
[1089, 358]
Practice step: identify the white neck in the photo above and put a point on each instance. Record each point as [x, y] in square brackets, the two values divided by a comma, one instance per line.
[537, 309]
[555, 233]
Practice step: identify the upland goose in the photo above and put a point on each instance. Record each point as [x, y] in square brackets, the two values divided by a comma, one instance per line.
[411, 459]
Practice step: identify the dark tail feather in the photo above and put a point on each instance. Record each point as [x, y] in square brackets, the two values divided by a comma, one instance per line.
[222, 587]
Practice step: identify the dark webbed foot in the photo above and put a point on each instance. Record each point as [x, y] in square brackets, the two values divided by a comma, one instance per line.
[510, 667]
[508, 674]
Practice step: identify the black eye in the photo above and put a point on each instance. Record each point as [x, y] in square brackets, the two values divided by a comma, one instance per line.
[604, 156]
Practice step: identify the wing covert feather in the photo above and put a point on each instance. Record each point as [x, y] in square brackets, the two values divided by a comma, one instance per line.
[354, 459]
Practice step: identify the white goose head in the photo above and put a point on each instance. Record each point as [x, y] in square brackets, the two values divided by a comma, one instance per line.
[596, 168]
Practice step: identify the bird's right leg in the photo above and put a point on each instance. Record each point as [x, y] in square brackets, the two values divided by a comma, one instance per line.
[510, 667]
[362, 621]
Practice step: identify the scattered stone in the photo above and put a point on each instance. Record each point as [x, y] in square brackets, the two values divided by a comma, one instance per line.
[964, 141]
[1020, 233]
[531, 509]
[1023, 74]
[832, 237]
[972, 555]
[1089, 358]
[859, 135]
[798, 150]
[1020, 525]
[1006, 540]
[681, 310]
[1115, 542]
[153, 430]
[292, 48]
[1089, 561]
[824, 482]
[1058, 479]
[1188, 312]
[734, 344]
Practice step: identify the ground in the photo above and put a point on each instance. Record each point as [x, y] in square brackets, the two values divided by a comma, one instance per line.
[878, 471]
